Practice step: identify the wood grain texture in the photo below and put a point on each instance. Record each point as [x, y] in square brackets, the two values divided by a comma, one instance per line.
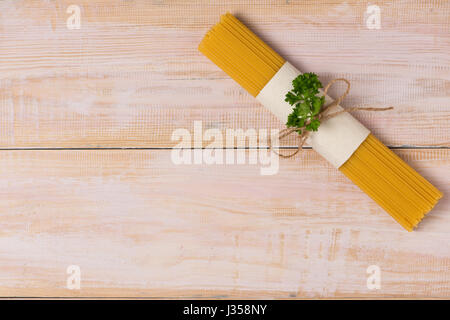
[138, 225]
[132, 73]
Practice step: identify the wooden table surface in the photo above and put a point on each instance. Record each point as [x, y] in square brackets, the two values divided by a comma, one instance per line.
[87, 180]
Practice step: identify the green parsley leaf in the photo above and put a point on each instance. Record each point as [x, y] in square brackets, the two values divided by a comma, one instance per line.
[313, 125]
[306, 103]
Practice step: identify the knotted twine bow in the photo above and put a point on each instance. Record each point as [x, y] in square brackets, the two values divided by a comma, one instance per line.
[322, 116]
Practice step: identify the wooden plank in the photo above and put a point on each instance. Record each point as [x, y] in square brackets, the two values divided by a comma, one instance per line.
[132, 74]
[139, 225]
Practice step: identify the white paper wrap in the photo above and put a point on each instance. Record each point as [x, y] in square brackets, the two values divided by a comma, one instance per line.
[336, 138]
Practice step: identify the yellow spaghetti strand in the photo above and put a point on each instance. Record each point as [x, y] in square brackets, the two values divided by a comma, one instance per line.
[241, 54]
[390, 182]
[373, 167]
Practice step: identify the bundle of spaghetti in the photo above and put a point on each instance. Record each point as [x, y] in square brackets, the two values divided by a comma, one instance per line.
[373, 167]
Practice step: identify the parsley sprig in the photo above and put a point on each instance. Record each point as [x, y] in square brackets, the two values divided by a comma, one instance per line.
[303, 97]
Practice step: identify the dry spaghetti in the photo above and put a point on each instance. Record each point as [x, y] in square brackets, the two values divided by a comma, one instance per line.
[387, 179]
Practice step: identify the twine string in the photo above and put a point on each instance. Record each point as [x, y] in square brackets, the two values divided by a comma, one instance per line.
[322, 116]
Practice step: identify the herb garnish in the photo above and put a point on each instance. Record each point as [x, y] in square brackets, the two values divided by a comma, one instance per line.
[307, 105]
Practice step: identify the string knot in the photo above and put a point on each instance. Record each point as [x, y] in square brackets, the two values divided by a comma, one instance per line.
[322, 116]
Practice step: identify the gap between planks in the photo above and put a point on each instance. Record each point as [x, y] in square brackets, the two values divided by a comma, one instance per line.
[245, 148]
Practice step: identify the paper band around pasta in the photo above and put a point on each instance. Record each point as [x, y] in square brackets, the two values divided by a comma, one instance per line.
[337, 138]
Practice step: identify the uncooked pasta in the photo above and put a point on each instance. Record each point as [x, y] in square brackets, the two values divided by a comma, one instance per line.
[373, 167]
